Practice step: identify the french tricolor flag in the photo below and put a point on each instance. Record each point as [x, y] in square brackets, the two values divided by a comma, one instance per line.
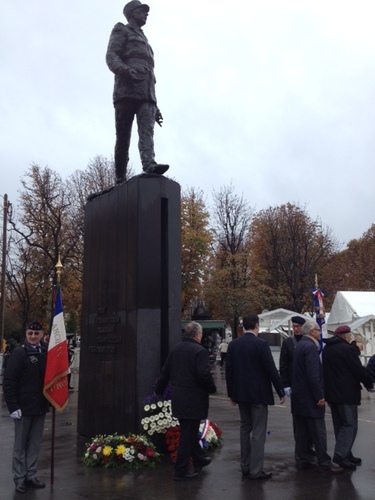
[55, 379]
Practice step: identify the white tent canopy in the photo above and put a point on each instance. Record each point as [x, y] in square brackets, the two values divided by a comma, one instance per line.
[278, 320]
[357, 310]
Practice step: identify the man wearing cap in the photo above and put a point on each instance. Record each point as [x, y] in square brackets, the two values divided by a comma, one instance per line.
[23, 393]
[287, 353]
[308, 403]
[343, 374]
[131, 59]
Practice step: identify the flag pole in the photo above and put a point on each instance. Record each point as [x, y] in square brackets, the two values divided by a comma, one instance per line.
[58, 268]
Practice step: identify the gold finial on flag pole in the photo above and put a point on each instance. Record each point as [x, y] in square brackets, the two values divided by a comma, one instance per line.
[58, 268]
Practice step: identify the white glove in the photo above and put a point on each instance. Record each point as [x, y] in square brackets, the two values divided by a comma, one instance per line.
[16, 414]
[288, 391]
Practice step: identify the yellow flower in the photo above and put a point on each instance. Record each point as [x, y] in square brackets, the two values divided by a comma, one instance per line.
[107, 450]
[120, 450]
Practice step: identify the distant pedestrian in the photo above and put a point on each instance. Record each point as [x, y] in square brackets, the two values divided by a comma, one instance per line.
[10, 346]
[23, 392]
[250, 374]
[223, 349]
[187, 369]
[308, 403]
[71, 354]
[343, 374]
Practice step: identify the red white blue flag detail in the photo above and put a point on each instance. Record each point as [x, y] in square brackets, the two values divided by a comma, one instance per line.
[55, 379]
[319, 311]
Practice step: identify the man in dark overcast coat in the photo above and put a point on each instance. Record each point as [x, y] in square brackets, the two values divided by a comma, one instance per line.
[343, 373]
[250, 373]
[188, 370]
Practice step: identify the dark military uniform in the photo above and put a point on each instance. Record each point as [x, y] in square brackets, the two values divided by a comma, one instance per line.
[128, 48]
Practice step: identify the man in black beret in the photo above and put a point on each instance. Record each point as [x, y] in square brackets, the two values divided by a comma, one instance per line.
[287, 352]
[23, 393]
[343, 373]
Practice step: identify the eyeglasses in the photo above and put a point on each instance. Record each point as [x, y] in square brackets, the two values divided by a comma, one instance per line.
[316, 329]
[30, 334]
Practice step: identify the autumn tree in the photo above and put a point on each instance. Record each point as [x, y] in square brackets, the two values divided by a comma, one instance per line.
[227, 290]
[287, 249]
[354, 267]
[96, 178]
[196, 239]
[42, 230]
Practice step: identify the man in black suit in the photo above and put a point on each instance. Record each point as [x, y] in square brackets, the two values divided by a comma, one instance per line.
[188, 370]
[250, 374]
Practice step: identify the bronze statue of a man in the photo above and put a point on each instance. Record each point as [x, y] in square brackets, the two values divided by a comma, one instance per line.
[131, 59]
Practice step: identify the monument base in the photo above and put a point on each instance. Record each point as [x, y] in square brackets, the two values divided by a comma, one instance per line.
[131, 308]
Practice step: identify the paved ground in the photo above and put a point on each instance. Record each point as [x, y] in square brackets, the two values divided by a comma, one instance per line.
[220, 481]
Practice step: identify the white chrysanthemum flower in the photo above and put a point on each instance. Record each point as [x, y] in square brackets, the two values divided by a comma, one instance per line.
[147, 408]
[160, 404]
[153, 406]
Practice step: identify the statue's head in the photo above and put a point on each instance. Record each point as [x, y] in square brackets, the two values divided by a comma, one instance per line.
[131, 6]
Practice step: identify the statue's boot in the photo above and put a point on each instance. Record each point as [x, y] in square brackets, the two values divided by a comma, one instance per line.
[156, 168]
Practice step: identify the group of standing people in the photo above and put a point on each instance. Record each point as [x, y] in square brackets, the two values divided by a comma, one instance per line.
[311, 380]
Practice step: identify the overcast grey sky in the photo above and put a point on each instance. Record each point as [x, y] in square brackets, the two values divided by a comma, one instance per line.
[275, 96]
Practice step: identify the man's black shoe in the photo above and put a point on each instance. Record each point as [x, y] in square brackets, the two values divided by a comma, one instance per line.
[35, 483]
[355, 460]
[262, 475]
[21, 487]
[331, 470]
[202, 463]
[306, 466]
[188, 475]
[345, 464]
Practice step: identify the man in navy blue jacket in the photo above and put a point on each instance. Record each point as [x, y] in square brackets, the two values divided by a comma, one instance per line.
[308, 403]
[250, 373]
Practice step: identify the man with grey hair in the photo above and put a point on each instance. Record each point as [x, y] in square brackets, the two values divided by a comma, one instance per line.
[187, 369]
[131, 59]
[308, 403]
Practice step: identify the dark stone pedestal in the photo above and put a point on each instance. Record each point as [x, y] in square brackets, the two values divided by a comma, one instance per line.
[131, 310]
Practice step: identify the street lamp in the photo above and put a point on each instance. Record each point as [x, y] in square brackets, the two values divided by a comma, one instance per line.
[3, 269]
